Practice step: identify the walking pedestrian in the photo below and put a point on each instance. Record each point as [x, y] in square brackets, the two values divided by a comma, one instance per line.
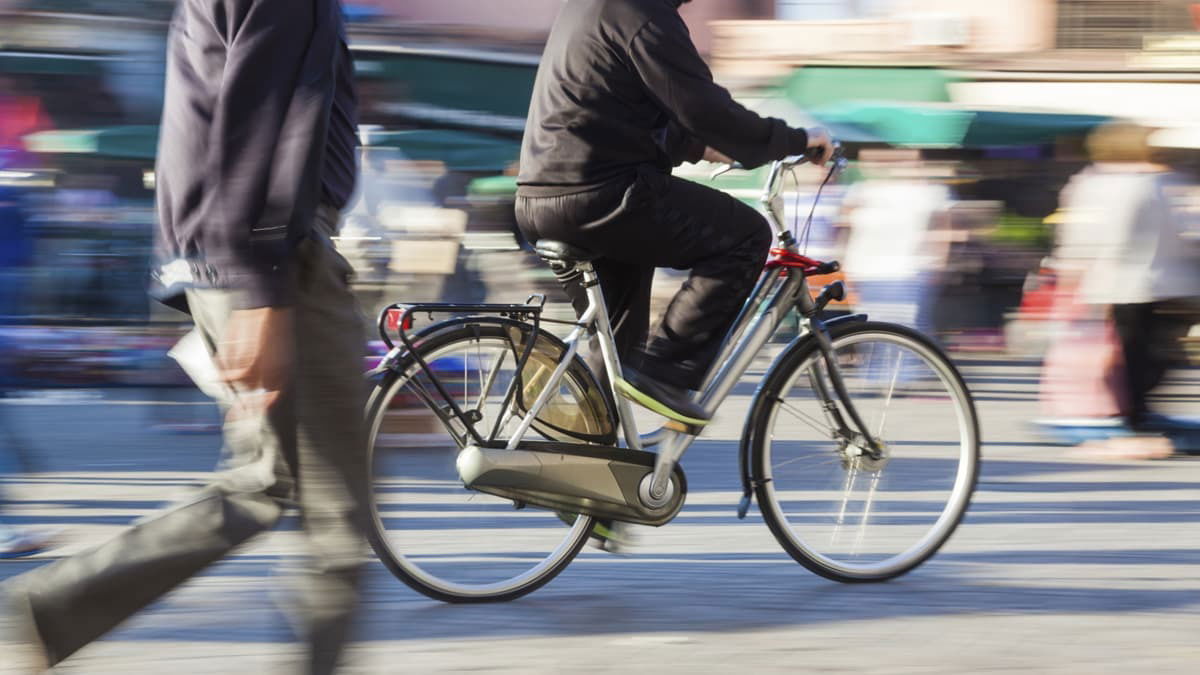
[20, 115]
[255, 161]
[1128, 266]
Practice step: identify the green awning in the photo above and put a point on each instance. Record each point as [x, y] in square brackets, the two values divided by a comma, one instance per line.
[948, 126]
[124, 142]
[493, 186]
[823, 85]
[459, 150]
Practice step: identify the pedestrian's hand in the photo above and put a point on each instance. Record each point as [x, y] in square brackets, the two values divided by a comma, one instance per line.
[716, 156]
[255, 355]
[820, 145]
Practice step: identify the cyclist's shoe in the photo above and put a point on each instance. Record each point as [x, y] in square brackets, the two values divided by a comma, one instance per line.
[667, 400]
[611, 537]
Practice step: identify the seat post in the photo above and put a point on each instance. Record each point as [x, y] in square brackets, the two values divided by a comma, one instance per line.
[608, 349]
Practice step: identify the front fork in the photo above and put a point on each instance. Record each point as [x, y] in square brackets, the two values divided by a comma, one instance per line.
[818, 330]
[820, 333]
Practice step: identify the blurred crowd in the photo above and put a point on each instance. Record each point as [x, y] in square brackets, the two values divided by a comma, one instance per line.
[1078, 248]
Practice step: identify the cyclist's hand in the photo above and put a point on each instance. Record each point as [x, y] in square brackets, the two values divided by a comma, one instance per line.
[255, 355]
[820, 145]
[716, 156]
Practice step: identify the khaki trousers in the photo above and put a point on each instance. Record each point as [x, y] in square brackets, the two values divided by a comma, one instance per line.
[309, 449]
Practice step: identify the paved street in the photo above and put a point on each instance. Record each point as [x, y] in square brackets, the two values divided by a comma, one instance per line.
[1064, 564]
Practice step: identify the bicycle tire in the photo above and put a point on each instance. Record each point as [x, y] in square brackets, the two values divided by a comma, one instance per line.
[777, 390]
[441, 340]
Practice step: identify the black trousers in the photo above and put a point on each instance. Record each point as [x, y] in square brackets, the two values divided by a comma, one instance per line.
[1150, 335]
[658, 220]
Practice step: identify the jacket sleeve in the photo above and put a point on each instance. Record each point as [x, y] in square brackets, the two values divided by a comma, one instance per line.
[674, 74]
[253, 197]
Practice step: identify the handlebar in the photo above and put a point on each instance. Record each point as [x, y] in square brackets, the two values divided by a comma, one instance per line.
[837, 159]
[772, 192]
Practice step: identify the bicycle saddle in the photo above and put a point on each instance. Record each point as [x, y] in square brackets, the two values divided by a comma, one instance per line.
[557, 251]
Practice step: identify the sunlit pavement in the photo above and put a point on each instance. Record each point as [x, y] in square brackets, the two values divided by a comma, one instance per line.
[1064, 564]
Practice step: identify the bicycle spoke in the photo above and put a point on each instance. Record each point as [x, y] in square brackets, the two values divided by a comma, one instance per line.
[823, 462]
[866, 514]
[847, 490]
[887, 402]
[486, 387]
[807, 419]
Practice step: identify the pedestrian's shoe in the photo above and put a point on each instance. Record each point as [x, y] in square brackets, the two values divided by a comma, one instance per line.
[14, 544]
[667, 400]
[24, 653]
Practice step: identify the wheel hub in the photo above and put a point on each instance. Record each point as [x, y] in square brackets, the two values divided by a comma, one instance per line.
[857, 454]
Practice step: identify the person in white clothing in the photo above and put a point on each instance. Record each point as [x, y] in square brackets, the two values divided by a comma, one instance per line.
[1127, 247]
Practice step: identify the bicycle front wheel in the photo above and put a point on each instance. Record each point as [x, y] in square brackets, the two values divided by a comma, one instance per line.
[839, 511]
[448, 542]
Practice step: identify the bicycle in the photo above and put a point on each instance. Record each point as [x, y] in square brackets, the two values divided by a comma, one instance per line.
[845, 495]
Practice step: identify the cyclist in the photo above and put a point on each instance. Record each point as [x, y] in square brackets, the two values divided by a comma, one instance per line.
[622, 96]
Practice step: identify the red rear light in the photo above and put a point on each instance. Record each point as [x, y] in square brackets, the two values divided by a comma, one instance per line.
[393, 319]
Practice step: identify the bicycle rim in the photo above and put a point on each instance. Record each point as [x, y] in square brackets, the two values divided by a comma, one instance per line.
[443, 540]
[837, 510]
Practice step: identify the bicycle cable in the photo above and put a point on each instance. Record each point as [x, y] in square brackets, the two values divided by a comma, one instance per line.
[802, 237]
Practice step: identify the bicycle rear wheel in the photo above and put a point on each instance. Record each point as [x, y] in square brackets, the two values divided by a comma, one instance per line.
[443, 540]
[835, 509]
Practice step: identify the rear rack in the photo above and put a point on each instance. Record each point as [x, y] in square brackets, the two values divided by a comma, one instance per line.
[398, 317]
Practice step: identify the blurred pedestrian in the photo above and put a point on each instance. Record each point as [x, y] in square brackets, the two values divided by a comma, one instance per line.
[15, 456]
[1125, 263]
[20, 115]
[255, 161]
[896, 247]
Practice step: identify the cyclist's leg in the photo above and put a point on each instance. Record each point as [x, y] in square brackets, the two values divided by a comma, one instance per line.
[662, 221]
[592, 219]
[626, 289]
[724, 243]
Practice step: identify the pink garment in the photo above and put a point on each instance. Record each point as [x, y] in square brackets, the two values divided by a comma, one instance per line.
[1083, 373]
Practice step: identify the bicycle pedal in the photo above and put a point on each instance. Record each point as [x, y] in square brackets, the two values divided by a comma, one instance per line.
[683, 428]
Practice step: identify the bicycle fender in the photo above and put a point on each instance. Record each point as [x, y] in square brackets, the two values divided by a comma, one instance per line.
[758, 408]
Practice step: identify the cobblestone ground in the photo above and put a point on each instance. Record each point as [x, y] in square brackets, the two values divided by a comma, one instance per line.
[1064, 564]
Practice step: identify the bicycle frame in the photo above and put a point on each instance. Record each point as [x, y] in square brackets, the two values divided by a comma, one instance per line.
[782, 286]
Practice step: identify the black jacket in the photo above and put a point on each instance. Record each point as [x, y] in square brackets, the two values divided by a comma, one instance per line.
[244, 137]
[621, 85]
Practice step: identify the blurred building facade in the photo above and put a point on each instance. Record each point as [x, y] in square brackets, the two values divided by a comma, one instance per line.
[445, 87]
[534, 17]
[955, 30]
